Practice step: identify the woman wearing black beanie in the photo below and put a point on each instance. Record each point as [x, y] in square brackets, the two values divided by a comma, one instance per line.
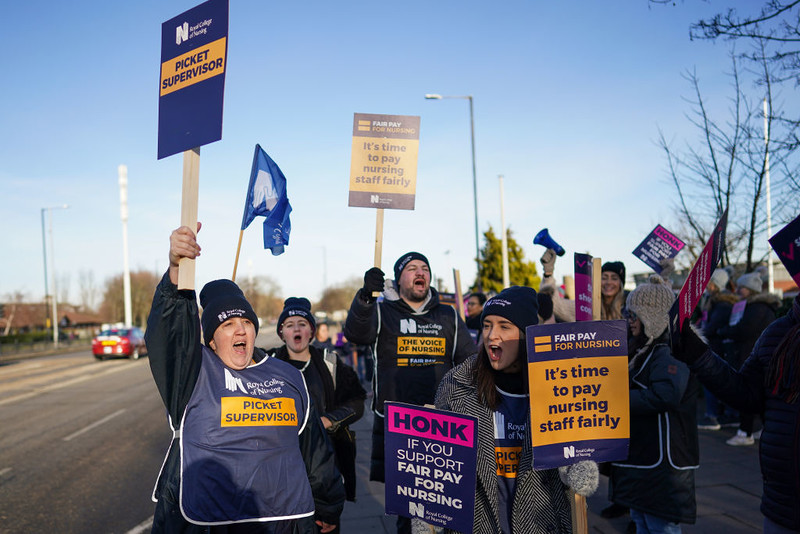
[510, 496]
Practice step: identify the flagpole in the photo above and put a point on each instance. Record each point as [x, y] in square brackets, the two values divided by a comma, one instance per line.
[236, 261]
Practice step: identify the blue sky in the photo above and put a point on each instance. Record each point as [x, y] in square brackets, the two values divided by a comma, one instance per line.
[568, 96]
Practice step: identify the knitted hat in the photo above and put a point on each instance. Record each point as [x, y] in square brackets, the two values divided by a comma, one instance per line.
[616, 267]
[651, 302]
[296, 306]
[401, 263]
[720, 278]
[221, 300]
[518, 304]
[751, 281]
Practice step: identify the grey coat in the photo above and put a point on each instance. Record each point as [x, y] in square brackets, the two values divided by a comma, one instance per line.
[541, 502]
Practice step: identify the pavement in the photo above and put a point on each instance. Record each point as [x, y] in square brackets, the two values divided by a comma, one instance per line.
[728, 490]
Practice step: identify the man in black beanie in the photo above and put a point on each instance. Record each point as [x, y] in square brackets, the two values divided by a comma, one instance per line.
[240, 421]
[415, 338]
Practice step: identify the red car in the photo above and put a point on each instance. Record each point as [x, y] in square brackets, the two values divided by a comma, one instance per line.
[128, 342]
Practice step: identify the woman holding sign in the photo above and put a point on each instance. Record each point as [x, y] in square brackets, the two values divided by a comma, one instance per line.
[656, 481]
[509, 495]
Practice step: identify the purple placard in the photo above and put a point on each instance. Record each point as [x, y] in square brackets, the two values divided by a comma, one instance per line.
[583, 287]
[581, 410]
[658, 246]
[431, 458]
[786, 244]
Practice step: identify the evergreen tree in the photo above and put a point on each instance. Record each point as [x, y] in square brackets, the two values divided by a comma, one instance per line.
[520, 271]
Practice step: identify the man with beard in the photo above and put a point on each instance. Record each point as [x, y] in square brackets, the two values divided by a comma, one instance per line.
[415, 340]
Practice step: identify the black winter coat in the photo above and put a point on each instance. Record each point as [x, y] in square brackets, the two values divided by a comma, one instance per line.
[412, 352]
[174, 352]
[758, 314]
[658, 476]
[340, 400]
[748, 391]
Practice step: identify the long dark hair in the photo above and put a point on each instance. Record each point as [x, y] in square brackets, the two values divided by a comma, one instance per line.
[483, 377]
[783, 374]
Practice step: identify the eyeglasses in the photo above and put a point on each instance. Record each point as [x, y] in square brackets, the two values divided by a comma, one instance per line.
[630, 316]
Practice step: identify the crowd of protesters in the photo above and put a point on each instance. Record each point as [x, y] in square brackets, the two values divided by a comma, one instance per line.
[221, 477]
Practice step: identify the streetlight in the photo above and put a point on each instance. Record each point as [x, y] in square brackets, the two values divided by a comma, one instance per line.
[474, 177]
[52, 258]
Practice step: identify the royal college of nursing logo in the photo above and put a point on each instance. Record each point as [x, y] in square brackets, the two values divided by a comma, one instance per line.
[408, 326]
[182, 33]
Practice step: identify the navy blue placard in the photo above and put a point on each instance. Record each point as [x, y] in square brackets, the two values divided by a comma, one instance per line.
[786, 244]
[431, 465]
[191, 93]
[659, 245]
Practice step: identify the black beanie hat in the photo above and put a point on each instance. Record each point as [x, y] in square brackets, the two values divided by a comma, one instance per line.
[296, 306]
[518, 304]
[616, 267]
[221, 300]
[401, 263]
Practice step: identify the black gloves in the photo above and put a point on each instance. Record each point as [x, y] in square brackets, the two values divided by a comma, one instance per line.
[691, 346]
[373, 283]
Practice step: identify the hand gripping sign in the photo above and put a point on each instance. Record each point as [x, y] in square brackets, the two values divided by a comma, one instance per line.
[430, 465]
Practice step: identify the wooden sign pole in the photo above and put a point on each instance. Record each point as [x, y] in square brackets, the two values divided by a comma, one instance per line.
[597, 295]
[191, 183]
[378, 242]
[459, 296]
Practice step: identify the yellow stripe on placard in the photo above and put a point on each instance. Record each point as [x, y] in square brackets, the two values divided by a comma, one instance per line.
[542, 339]
[544, 348]
[192, 67]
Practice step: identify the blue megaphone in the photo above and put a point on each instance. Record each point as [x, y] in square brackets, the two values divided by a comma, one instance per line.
[543, 238]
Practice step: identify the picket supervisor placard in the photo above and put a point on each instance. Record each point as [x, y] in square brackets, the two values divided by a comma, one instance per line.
[194, 49]
[578, 377]
[430, 465]
[659, 245]
[583, 287]
[383, 165]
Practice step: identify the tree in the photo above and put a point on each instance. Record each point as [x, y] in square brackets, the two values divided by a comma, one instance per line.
[338, 297]
[143, 285]
[263, 293]
[727, 169]
[87, 291]
[521, 272]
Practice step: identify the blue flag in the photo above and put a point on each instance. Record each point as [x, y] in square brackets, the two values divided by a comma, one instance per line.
[266, 196]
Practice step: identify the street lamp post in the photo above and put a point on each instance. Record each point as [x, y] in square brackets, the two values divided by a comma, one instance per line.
[52, 259]
[474, 178]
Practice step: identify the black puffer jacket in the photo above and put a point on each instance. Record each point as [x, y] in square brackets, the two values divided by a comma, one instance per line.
[173, 342]
[758, 314]
[658, 476]
[337, 392]
[747, 390]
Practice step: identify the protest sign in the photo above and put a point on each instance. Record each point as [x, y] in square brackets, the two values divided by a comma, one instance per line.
[583, 287]
[698, 279]
[580, 409]
[786, 244]
[431, 465]
[383, 165]
[194, 47]
[658, 246]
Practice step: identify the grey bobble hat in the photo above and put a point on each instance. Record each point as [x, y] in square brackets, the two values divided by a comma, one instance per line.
[651, 302]
[720, 278]
[751, 281]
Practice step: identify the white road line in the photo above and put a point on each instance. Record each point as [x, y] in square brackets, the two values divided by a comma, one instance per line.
[4, 471]
[142, 527]
[59, 385]
[95, 424]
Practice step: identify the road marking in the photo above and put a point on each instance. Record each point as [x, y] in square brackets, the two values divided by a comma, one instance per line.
[144, 526]
[95, 424]
[62, 384]
[4, 471]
